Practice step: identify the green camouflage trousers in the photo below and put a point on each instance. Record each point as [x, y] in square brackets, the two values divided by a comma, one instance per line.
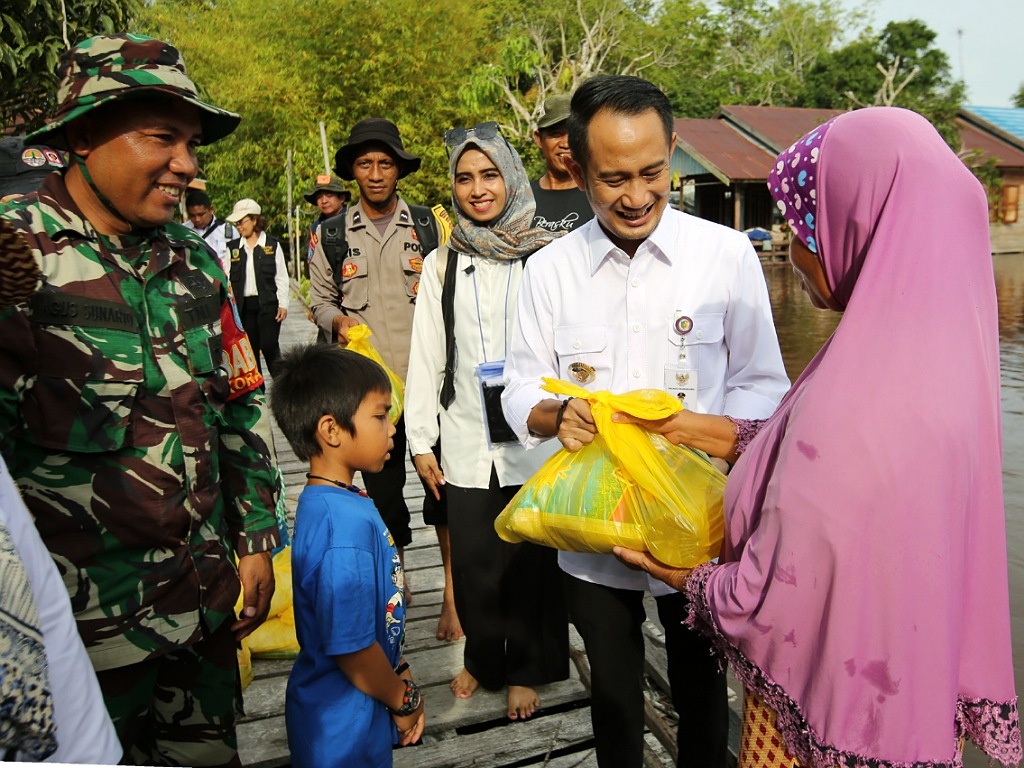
[179, 708]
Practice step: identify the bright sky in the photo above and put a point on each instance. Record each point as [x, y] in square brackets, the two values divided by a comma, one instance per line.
[987, 54]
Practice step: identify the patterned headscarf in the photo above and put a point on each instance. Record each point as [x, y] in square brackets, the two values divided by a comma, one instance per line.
[793, 183]
[509, 236]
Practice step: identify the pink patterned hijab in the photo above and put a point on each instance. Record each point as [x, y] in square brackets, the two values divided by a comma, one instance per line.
[863, 591]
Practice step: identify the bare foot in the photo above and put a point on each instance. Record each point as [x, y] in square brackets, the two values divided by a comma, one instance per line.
[464, 684]
[448, 626]
[522, 702]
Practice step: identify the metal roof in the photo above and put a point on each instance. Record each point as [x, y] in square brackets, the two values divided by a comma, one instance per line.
[1007, 155]
[775, 128]
[1006, 122]
[722, 151]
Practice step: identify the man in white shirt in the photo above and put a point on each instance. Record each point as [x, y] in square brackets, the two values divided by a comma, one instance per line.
[641, 296]
[203, 219]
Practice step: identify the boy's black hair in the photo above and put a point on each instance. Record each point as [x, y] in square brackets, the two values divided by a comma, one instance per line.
[316, 380]
[197, 197]
[623, 94]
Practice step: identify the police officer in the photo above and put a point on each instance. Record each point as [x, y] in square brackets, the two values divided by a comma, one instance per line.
[331, 199]
[379, 280]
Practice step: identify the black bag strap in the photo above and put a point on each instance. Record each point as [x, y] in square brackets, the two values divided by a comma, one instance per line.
[213, 225]
[332, 235]
[448, 317]
[426, 228]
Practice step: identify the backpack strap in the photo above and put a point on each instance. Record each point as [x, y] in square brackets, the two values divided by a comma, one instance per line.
[447, 275]
[332, 235]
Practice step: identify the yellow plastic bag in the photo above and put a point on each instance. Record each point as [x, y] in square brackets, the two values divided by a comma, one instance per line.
[245, 664]
[275, 638]
[359, 341]
[629, 487]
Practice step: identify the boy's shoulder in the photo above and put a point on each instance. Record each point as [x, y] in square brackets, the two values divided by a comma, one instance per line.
[325, 518]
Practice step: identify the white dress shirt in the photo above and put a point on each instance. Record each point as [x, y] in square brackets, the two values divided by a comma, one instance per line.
[582, 299]
[218, 239]
[484, 308]
[280, 271]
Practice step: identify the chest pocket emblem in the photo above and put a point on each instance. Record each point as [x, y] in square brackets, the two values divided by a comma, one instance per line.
[582, 372]
[349, 270]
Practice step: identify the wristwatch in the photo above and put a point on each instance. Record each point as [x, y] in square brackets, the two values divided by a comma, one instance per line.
[410, 700]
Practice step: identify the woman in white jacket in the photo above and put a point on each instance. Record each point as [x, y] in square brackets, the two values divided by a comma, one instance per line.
[508, 597]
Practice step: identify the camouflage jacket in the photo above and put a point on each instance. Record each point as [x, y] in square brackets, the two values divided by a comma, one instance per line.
[144, 472]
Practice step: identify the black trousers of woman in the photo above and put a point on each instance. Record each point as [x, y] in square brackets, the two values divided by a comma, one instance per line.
[509, 597]
[263, 330]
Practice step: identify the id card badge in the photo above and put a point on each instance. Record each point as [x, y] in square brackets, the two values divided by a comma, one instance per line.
[681, 382]
[490, 375]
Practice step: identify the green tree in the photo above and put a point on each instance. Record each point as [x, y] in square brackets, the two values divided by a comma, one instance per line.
[287, 66]
[1018, 97]
[33, 35]
[900, 67]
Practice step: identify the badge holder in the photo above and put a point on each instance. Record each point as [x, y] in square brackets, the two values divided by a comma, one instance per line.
[681, 377]
[490, 376]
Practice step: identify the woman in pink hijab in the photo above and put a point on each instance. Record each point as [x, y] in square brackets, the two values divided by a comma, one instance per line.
[862, 590]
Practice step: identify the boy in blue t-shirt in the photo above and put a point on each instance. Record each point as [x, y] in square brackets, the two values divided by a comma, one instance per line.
[350, 696]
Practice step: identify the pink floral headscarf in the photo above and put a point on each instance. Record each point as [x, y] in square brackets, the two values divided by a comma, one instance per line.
[793, 182]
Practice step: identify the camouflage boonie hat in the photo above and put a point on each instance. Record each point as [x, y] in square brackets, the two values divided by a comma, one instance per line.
[108, 67]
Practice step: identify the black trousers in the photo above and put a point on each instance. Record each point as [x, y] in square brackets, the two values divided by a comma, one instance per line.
[263, 330]
[509, 597]
[609, 621]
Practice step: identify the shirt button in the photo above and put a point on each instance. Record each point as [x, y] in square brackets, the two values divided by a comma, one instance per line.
[636, 373]
[636, 327]
[635, 282]
[700, 334]
[577, 344]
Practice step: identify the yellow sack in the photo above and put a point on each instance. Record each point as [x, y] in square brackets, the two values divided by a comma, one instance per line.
[359, 341]
[629, 487]
[275, 638]
[245, 663]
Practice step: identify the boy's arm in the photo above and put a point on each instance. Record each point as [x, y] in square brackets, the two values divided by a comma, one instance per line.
[370, 672]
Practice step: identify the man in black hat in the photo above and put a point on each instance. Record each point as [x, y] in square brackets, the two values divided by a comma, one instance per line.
[561, 205]
[375, 284]
[331, 199]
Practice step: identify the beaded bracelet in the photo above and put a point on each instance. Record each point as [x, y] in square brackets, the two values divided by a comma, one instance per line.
[561, 413]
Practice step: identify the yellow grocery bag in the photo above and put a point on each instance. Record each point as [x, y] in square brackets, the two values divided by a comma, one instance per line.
[359, 341]
[629, 487]
[275, 637]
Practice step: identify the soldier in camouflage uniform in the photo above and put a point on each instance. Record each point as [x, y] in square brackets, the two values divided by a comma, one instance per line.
[128, 406]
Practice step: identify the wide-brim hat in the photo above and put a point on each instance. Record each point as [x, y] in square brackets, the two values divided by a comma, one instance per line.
[556, 110]
[368, 130]
[244, 207]
[23, 168]
[327, 182]
[106, 68]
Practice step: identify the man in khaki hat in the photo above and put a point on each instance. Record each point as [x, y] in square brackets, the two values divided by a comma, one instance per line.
[376, 284]
[131, 418]
[561, 205]
[331, 199]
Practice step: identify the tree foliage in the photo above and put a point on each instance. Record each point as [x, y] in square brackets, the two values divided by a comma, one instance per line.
[33, 35]
[1018, 97]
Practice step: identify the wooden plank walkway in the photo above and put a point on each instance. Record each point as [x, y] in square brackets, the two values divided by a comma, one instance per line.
[459, 732]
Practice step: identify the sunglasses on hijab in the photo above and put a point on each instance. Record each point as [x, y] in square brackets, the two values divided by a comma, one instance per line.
[453, 137]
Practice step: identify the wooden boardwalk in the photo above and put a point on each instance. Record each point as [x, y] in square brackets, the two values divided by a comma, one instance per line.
[459, 732]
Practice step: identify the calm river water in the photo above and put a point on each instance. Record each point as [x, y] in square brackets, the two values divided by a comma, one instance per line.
[803, 329]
